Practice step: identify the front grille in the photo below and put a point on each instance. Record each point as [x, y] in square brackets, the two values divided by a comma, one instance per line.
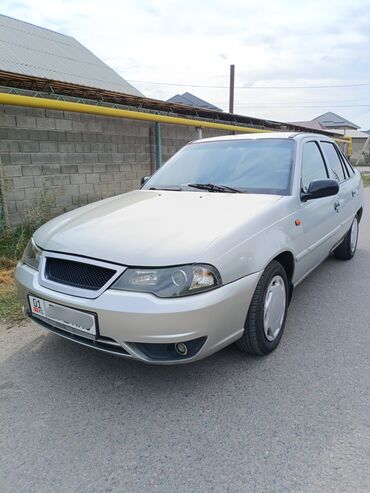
[77, 274]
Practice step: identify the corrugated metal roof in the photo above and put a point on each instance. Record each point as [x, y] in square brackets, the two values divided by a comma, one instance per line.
[31, 50]
[190, 99]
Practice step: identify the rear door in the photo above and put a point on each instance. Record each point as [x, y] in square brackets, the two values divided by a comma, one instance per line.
[345, 205]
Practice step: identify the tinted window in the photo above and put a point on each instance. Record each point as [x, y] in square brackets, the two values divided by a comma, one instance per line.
[333, 160]
[313, 166]
[258, 165]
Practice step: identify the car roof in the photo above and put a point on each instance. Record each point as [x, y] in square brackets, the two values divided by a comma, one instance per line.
[265, 135]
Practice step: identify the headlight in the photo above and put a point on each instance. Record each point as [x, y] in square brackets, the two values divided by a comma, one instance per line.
[170, 282]
[32, 255]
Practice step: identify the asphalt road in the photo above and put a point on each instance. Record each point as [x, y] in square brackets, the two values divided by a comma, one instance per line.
[75, 420]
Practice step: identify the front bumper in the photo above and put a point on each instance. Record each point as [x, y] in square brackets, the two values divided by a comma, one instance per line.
[128, 319]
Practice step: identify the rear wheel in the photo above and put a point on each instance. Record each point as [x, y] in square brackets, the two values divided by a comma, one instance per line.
[347, 249]
[265, 321]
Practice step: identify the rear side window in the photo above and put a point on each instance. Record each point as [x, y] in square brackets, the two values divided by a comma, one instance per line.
[347, 165]
[313, 166]
[333, 160]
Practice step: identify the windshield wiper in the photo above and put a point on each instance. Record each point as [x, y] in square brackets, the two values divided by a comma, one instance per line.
[211, 187]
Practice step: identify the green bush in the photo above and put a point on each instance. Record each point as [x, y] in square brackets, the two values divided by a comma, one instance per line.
[12, 244]
[14, 241]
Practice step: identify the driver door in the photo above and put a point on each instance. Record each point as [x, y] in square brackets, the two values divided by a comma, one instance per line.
[320, 223]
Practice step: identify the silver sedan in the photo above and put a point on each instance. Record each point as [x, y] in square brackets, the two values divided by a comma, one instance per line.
[205, 254]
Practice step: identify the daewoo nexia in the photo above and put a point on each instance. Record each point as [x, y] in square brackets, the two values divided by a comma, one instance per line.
[205, 254]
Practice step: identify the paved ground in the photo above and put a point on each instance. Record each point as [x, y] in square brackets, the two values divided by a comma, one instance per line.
[75, 420]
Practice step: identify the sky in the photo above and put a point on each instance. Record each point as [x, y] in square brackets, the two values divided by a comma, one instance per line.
[282, 50]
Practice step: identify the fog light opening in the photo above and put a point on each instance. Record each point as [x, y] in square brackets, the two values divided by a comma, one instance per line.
[181, 348]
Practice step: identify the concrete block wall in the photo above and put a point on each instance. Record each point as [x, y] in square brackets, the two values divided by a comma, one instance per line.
[174, 137]
[75, 158]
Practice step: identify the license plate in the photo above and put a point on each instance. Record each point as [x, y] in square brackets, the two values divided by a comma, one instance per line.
[63, 317]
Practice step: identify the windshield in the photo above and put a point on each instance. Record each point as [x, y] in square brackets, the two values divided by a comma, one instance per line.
[254, 166]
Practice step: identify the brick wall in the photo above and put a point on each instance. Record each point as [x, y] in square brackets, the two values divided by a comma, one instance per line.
[75, 158]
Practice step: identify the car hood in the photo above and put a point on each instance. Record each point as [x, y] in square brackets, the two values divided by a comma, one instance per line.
[151, 228]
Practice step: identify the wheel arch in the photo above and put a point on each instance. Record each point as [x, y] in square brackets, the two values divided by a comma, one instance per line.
[286, 259]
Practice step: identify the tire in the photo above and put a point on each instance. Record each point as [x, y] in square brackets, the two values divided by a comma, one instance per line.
[347, 249]
[258, 339]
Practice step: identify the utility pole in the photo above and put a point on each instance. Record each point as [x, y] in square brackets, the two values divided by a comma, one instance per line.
[231, 89]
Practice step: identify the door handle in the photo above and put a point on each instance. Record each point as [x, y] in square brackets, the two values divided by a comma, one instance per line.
[336, 206]
[354, 193]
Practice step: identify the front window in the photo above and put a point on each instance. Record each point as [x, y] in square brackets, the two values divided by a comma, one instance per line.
[313, 166]
[250, 165]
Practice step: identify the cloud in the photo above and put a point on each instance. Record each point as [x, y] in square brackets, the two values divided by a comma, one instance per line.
[273, 43]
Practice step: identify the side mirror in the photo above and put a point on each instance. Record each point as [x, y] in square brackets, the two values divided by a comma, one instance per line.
[144, 180]
[320, 188]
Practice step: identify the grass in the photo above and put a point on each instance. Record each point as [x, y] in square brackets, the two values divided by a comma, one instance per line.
[10, 308]
[366, 179]
[12, 244]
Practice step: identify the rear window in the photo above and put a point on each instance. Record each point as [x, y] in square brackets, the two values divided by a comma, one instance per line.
[333, 161]
[347, 165]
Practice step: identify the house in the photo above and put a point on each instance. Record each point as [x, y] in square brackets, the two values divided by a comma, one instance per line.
[330, 120]
[191, 100]
[30, 50]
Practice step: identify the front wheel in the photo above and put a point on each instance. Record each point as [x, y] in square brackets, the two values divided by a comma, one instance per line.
[266, 317]
[347, 249]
